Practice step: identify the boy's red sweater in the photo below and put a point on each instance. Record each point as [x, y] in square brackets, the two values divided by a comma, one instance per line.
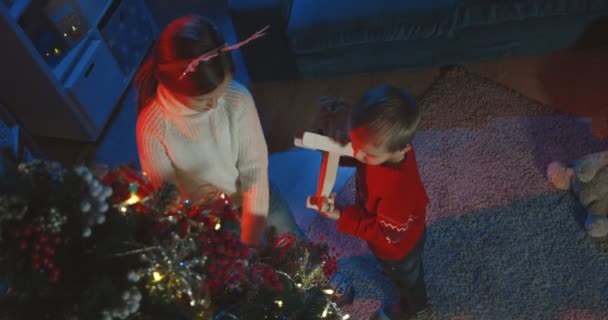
[390, 212]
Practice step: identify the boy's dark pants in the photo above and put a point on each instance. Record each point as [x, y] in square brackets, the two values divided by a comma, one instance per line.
[408, 275]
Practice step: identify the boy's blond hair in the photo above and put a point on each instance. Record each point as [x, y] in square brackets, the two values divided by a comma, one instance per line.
[391, 115]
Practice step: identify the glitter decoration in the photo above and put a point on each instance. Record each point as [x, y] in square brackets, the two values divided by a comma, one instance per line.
[173, 274]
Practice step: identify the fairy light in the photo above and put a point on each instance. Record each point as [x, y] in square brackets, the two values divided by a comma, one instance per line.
[328, 291]
[279, 303]
[132, 200]
[217, 226]
[346, 316]
[325, 311]
[156, 276]
[123, 207]
[224, 197]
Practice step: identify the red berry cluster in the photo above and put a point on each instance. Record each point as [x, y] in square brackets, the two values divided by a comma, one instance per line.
[227, 256]
[222, 245]
[330, 266]
[41, 246]
[330, 262]
[264, 276]
[229, 268]
[222, 208]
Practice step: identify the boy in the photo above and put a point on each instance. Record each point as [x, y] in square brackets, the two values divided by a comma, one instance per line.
[391, 199]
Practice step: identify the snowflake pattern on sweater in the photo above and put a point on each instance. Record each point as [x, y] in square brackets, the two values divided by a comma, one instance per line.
[390, 209]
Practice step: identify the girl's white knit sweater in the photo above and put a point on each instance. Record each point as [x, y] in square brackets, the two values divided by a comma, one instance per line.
[222, 149]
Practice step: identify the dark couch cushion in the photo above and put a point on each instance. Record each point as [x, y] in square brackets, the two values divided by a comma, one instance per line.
[253, 4]
[358, 41]
[333, 24]
[318, 25]
[472, 13]
[307, 13]
[273, 49]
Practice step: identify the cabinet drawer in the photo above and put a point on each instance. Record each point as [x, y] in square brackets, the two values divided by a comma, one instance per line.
[9, 138]
[93, 9]
[129, 33]
[96, 83]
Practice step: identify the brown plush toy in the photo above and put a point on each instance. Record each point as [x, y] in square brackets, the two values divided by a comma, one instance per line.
[588, 180]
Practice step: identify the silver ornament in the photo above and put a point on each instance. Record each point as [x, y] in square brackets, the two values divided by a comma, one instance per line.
[85, 206]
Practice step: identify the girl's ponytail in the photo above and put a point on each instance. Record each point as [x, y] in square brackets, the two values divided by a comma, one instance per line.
[181, 41]
[146, 83]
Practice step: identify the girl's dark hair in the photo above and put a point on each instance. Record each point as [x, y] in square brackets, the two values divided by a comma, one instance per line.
[391, 115]
[181, 41]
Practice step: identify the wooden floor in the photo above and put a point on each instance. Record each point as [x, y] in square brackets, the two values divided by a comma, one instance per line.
[288, 107]
[574, 82]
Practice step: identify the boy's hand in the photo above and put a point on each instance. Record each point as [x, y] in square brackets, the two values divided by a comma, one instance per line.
[326, 206]
[333, 215]
[332, 119]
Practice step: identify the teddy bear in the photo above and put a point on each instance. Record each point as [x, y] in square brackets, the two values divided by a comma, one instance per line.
[587, 178]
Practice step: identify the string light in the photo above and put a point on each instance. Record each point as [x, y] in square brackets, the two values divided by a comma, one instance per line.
[346, 316]
[324, 314]
[279, 303]
[173, 265]
[133, 199]
[156, 275]
[328, 291]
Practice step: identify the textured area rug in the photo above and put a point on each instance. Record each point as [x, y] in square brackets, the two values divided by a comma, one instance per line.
[502, 243]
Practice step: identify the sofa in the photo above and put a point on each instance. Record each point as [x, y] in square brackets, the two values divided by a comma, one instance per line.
[338, 37]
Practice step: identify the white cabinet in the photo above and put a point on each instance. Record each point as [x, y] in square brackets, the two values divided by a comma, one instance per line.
[96, 82]
[65, 64]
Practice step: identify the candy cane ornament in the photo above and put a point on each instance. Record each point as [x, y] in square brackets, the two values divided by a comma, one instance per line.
[332, 151]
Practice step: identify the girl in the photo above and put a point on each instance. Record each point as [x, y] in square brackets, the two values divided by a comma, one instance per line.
[199, 129]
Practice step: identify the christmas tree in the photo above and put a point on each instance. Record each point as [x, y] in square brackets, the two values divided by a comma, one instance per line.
[87, 244]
